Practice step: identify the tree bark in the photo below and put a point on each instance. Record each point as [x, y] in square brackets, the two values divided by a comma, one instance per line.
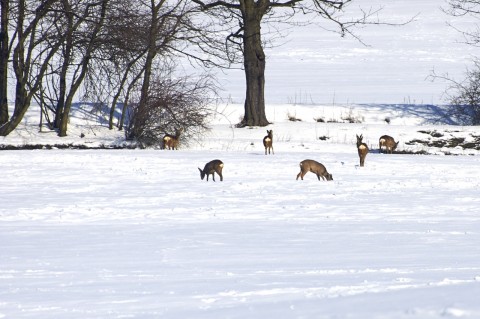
[4, 54]
[254, 63]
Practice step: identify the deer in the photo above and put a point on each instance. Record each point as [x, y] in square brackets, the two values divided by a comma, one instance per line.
[315, 167]
[267, 142]
[362, 149]
[212, 167]
[171, 141]
[388, 142]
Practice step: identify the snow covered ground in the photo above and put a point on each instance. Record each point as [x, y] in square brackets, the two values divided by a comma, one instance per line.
[137, 234]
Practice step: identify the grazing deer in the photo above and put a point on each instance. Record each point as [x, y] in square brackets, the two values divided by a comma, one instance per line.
[268, 142]
[314, 167]
[212, 167]
[362, 150]
[171, 141]
[388, 142]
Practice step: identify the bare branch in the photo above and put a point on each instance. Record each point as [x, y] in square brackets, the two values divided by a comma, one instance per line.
[224, 4]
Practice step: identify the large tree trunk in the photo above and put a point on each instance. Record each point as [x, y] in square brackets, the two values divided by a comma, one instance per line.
[254, 63]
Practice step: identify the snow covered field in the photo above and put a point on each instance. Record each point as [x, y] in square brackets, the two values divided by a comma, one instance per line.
[137, 234]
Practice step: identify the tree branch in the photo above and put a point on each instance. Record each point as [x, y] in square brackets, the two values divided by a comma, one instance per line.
[206, 6]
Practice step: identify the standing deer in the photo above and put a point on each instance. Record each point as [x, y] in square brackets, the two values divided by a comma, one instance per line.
[212, 167]
[268, 142]
[171, 141]
[388, 142]
[362, 149]
[314, 167]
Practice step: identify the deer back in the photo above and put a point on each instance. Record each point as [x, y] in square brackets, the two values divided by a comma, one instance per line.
[362, 149]
[268, 141]
[314, 167]
[212, 167]
[388, 142]
[172, 141]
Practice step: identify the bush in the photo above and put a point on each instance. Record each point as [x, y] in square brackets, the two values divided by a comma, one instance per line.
[463, 98]
[173, 103]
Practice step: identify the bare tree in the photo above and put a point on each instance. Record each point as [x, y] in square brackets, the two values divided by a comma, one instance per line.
[171, 29]
[117, 67]
[81, 27]
[246, 18]
[42, 50]
[461, 8]
[463, 97]
[173, 103]
[30, 56]
[139, 36]
[57, 44]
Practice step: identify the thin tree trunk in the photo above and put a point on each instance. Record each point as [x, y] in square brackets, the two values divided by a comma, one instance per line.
[21, 70]
[4, 54]
[117, 96]
[67, 53]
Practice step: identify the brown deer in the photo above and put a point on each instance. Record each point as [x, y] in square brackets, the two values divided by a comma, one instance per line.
[362, 149]
[268, 142]
[212, 167]
[388, 142]
[171, 141]
[314, 167]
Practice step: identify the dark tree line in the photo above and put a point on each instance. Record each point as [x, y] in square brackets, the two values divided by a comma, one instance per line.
[109, 52]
